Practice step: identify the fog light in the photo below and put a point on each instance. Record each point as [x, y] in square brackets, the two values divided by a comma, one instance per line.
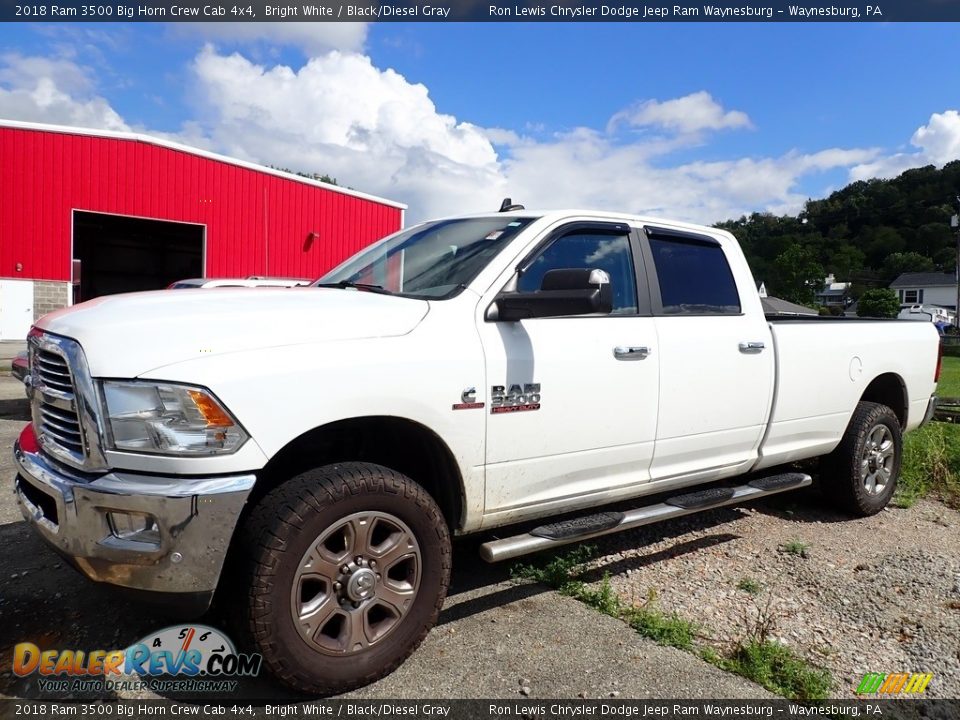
[138, 527]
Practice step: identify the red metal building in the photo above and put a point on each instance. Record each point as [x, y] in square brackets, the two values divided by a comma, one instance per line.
[86, 213]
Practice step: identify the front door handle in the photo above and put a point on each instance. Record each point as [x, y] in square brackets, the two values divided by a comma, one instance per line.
[630, 352]
[751, 348]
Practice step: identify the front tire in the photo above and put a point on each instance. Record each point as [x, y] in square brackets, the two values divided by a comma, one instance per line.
[860, 476]
[347, 567]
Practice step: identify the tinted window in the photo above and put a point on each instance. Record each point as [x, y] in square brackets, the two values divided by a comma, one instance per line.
[694, 277]
[589, 250]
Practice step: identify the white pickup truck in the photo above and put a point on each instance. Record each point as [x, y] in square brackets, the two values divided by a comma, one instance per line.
[314, 449]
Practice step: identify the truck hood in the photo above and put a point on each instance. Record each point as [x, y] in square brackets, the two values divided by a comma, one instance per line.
[128, 335]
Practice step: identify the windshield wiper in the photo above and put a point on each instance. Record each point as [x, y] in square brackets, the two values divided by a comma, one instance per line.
[356, 286]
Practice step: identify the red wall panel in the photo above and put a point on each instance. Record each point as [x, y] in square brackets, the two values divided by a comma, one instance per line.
[256, 223]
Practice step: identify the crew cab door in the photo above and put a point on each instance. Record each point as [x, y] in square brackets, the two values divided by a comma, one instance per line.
[716, 355]
[572, 401]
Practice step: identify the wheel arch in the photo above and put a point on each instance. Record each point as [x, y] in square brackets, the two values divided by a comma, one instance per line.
[889, 389]
[400, 444]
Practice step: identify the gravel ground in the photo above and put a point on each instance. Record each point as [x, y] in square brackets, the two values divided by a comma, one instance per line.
[879, 594]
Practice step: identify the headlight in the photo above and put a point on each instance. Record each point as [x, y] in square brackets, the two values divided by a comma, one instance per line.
[168, 419]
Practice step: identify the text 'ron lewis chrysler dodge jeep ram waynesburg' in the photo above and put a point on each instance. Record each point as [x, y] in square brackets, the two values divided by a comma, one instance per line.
[324, 443]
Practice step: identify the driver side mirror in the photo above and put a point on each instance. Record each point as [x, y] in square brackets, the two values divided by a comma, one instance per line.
[577, 291]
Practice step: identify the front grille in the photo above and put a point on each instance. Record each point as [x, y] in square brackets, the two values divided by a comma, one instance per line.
[53, 371]
[63, 426]
[56, 407]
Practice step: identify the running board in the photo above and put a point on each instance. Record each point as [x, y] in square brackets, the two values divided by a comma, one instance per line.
[604, 523]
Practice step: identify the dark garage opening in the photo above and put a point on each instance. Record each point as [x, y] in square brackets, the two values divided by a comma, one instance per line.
[124, 254]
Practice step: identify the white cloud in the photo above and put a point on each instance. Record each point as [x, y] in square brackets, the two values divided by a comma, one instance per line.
[589, 169]
[313, 38]
[340, 115]
[58, 91]
[937, 143]
[689, 114]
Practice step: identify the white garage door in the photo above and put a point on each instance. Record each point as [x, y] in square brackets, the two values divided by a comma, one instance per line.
[16, 309]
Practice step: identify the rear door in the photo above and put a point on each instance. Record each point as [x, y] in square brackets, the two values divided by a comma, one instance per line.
[716, 356]
[573, 410]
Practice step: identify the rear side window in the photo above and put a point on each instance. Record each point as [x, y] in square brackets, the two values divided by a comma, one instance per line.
[589, 250]
[694, 277]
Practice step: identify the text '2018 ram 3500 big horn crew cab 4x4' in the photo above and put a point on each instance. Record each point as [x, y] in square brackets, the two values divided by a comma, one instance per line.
[324, 443]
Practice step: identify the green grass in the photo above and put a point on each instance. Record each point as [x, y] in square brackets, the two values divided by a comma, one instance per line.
[931, 455]
[780, 670]
[949, 385]
[769, 664]
[749, 585]
[931, 465]
[796, 547]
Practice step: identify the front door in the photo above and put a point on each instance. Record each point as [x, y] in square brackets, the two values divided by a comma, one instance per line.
[573, 400]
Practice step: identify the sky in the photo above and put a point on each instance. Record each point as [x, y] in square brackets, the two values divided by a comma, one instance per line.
[697, 122]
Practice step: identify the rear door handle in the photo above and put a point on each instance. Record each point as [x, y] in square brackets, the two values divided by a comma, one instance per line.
[751, 347]
[630, 352]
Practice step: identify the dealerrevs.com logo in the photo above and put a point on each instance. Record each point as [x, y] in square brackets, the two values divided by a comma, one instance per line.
[185, 658]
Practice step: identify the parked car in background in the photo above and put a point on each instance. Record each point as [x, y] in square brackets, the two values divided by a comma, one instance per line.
[927, 313]
[19, 366]
[252, 281]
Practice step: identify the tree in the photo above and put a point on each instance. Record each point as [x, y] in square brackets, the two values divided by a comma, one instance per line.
[846, 263]
[898, 263]
[798, 275]
[878, 303]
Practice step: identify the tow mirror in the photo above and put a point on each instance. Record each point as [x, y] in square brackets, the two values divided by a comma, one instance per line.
[574, 291]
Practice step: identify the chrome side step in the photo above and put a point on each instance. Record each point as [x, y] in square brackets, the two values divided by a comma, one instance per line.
[604, 523]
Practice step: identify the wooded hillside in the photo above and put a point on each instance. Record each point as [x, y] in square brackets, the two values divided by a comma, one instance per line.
[868, 233]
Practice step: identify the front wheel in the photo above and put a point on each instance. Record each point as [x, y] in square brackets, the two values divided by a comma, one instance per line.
[347, 569]
[861, 474]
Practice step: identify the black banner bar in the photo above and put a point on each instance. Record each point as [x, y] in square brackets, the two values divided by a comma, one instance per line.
[485, 709]
[652, 11]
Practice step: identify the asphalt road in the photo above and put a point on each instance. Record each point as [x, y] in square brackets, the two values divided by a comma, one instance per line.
[492, 634]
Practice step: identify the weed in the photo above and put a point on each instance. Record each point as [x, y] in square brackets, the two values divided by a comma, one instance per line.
[749, 585]
[663, 628]
[779, 669]
[796, 547]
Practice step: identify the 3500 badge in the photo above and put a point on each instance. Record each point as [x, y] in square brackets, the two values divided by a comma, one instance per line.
[518, 398]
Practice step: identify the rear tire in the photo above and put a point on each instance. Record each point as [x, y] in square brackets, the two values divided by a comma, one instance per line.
[860, 476]
[345, 569]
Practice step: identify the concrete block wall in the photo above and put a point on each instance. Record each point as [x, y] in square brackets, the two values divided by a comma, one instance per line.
[49, 296]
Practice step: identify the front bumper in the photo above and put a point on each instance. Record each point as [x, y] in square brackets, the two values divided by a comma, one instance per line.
[194, 519]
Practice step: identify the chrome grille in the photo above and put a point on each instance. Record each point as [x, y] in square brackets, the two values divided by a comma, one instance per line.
[53, 371]
[63, 426]
[64, 406]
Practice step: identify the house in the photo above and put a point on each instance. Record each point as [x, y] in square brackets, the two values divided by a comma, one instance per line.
[776, 306]
[927, 288]
[833, 293]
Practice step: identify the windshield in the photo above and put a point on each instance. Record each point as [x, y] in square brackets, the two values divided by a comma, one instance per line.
[433, 260]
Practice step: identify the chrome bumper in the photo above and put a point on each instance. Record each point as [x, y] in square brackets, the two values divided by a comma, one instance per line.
[194, 519]
[931, 409]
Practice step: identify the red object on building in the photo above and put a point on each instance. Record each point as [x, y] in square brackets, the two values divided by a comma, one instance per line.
[251, 220]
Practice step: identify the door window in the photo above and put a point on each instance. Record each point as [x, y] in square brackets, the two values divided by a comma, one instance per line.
[594, 251]
[694, 278]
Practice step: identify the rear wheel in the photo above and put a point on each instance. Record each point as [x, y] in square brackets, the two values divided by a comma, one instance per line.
[860, 476]
[347, 568]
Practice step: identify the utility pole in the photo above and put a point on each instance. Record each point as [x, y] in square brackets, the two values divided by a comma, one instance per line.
[955, 224]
